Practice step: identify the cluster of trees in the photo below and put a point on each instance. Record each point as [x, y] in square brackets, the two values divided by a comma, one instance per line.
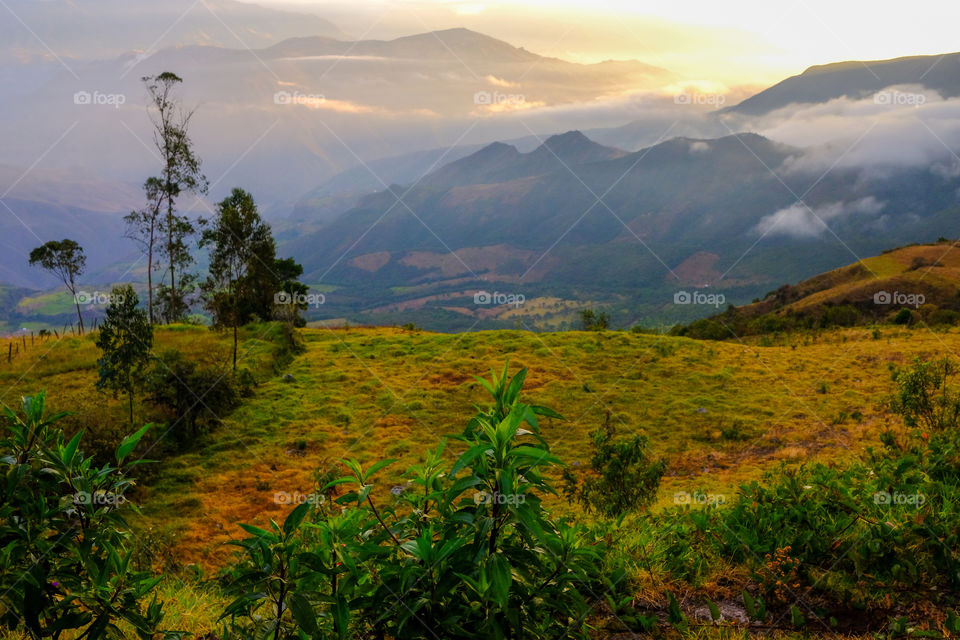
[245, 274]
[242, 284]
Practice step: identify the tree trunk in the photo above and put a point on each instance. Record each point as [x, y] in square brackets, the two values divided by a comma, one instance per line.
[79, 315]
[150, 277]
[234, 346]
[130, 397]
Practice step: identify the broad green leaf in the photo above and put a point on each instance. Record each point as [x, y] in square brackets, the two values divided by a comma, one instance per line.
[130, 443]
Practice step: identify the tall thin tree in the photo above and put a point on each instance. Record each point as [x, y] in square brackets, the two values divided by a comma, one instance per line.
[142, 227]
[181, 174]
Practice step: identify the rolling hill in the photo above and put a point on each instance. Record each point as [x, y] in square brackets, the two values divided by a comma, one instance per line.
[916, 284]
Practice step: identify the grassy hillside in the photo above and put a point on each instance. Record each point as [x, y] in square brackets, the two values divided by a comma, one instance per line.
[719, 413]
[913, 284]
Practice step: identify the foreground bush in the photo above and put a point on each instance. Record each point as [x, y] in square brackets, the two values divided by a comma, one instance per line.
[65, 548]
[461, 551]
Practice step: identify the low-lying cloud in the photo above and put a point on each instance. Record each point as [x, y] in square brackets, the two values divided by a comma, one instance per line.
[802, 221]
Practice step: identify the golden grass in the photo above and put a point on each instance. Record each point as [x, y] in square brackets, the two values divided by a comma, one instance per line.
[720, 413]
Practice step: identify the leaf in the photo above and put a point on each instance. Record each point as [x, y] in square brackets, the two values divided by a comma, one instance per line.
[468, 456]
[295, 518]
[500, 578]
[376, 467]
[257, 532]
[715, 614]
[797, 618]
[338, 481]
[71, 449]
[303, 613]
[341, 616]
[130, 443]
[486, 385]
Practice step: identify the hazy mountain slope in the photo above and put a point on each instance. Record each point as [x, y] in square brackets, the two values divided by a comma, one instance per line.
[105, 28]
[41, 205]
[684, 213]
[857, 79]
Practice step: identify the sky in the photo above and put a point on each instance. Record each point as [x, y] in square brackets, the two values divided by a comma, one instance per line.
[734, 42]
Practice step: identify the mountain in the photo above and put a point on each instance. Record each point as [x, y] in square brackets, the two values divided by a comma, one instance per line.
[628, 231]
[287, 117]
[447, 44]
[910, 285]
[39, 205]
[106, 28]
[857, 79]
[499, 162]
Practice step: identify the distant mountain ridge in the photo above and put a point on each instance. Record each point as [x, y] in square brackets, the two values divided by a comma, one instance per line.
[856, 79]
[630, 229]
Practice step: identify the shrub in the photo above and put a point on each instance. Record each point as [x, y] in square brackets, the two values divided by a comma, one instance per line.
[924, 397]
[192, 397]
[622, 477]
[594, 320]
[65, 547]
[461, 551]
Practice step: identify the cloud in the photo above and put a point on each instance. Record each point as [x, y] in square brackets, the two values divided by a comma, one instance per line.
[904, 126]
[699, 147]
[500, 82]
[800, 221]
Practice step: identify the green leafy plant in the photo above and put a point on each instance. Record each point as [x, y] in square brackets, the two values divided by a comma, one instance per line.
[464, 550]
[125, 340]
[924, 397]
[622, 478]
[65, 547]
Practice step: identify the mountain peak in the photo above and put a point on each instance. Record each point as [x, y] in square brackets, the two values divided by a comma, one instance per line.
[574, 147]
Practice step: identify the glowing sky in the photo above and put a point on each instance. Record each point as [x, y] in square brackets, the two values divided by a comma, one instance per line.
[728, 41]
